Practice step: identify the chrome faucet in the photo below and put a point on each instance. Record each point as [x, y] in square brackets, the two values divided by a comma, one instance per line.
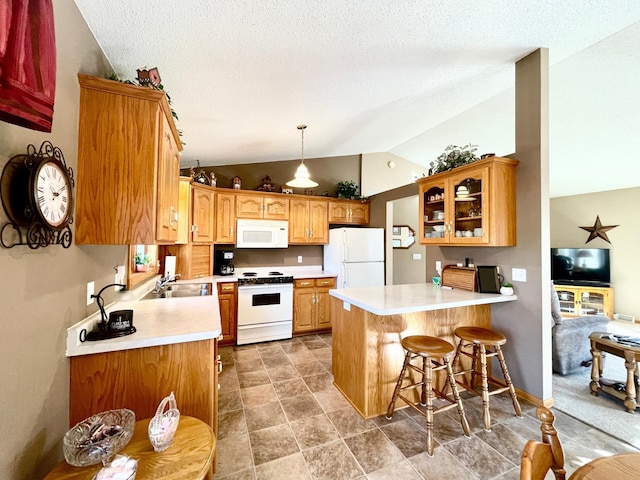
[162, 282]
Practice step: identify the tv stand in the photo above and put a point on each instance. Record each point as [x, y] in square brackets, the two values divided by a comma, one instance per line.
[577, 301]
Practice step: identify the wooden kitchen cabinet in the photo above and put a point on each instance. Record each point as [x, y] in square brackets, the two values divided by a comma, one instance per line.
[311, 304]
[485, 216]
[128, 165]
[348, 212]
[228, 302]
[308, 222]
[194, 247]
[225, 217]
[271, 207]
[576, 301]
[138, 379]
[202, 214]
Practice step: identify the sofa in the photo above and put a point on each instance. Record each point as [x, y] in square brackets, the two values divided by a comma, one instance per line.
[570, 337]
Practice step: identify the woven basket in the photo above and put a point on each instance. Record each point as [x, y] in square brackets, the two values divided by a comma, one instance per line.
[163, 425]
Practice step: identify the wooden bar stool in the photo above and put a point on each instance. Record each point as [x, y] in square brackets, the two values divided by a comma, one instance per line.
[486, 344]
[429, 349]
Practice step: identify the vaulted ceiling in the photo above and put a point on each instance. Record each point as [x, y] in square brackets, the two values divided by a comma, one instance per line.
[407, 77]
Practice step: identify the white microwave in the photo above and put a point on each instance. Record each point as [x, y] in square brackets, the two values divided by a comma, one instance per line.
[262, 234]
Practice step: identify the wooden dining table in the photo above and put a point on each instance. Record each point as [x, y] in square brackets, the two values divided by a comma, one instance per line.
[189, 457]
[616, 467]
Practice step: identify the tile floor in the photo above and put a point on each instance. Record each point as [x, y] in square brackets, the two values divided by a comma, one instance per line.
[280, 417]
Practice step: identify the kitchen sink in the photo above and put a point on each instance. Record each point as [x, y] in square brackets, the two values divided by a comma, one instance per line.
[176, 290]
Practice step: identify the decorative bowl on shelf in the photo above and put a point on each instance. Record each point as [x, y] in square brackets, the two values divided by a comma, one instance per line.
[98, 438]
[438, 228]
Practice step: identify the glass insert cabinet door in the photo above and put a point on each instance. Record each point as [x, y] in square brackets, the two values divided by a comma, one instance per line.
[453, 210]
[468, 204]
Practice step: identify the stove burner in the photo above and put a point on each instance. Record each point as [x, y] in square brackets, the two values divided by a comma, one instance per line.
[276, 273]
[249, 274]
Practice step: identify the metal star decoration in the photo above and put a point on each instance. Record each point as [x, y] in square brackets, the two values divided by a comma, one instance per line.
[598, 230]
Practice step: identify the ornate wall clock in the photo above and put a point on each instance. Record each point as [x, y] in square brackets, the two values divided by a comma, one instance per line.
[37, 195]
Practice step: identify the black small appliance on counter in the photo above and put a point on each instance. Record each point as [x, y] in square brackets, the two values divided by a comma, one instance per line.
[222, 263]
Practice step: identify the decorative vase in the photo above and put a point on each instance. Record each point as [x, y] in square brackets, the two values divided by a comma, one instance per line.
[506, 290]
[140, 267]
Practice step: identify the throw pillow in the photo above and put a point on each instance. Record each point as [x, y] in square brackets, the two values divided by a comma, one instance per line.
[555, 306]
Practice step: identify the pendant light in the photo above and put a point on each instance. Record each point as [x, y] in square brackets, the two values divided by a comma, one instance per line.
[302, 179]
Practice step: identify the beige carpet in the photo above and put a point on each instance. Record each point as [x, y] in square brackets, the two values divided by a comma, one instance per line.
[604, 412]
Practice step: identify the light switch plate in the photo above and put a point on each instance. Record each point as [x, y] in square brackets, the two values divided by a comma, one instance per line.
[518, 275]
[417, 256]
[91, 289]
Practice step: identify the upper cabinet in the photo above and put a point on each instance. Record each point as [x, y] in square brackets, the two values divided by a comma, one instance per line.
[202, 213]
[348, 212]
[225, 217]
[128, 165]
[272, 207]
[470, 205]
[309, 222]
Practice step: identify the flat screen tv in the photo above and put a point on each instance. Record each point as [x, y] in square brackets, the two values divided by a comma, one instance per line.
[581, 266]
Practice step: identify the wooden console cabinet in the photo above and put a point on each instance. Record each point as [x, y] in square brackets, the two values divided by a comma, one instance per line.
[485, 216]
[311, 304]
[128, 165]
[576, 301]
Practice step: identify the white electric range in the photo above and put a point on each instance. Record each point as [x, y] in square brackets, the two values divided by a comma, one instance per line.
[265, 304]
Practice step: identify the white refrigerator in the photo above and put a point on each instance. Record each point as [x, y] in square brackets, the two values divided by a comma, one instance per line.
[356, 255]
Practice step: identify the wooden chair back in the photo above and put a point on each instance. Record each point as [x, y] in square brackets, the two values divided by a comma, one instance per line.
[540, 457]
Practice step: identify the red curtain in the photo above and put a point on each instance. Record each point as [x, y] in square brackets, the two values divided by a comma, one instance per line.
[27, 63]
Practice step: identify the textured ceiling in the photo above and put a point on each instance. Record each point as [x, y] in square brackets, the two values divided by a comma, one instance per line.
[372, 76]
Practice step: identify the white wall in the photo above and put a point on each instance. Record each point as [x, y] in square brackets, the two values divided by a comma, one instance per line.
[385, 171]
[616, 207]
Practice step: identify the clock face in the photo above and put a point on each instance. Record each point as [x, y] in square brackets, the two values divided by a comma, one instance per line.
[52, 192]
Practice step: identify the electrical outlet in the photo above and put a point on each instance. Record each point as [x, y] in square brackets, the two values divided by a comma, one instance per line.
[417, 256]
[299, 258]
[438, 265]
[91, 288]
[518, 275]
[119, 277]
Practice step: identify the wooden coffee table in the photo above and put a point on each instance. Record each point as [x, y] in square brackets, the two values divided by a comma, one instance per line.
[623, 347]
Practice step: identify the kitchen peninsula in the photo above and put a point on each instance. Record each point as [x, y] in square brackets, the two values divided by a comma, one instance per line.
[173, 349]
[368, 324]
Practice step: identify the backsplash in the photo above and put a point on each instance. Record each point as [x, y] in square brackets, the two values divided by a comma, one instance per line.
[256, 257]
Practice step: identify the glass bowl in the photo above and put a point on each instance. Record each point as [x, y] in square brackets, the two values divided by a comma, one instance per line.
[99, 437]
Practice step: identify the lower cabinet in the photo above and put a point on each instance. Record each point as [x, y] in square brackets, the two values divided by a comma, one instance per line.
[311, 309]
[228, 301]
[138, 379]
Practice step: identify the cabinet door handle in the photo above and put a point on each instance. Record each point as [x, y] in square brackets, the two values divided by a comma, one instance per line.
[231, 231]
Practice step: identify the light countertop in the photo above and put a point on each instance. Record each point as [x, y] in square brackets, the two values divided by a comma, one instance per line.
[419, 297]
[161, 321]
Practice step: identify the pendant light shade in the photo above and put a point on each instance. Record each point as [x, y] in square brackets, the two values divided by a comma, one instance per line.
[302, 179]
